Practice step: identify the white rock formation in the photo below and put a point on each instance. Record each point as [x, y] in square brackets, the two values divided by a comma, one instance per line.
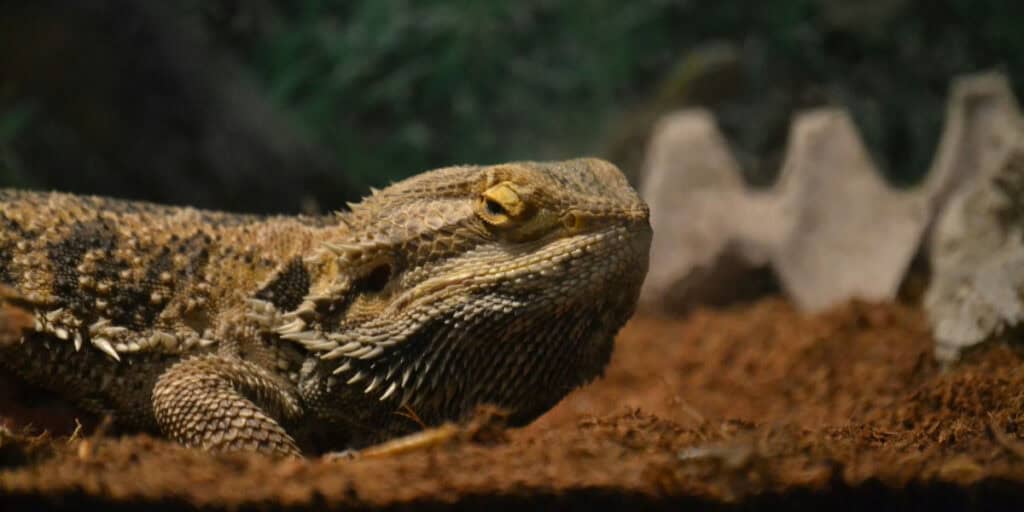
[831, 228]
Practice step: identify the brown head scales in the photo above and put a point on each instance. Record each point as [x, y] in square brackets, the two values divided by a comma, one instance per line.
[468, 285]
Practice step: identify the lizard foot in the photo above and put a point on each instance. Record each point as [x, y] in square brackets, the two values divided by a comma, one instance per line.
[223, 403]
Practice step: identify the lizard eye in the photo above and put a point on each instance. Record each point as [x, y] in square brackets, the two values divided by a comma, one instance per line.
[501, 205]
[493, 207]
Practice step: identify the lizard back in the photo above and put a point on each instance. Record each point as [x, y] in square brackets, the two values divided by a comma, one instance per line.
[121, 289]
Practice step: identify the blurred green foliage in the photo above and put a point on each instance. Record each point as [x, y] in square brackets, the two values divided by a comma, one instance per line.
[400, 86]
[13, 121]
[397, 86]
[392, 87]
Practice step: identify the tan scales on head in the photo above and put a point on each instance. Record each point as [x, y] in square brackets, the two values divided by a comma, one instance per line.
[476, 258]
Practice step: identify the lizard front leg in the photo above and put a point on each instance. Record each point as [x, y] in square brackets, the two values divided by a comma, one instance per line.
[224, 403]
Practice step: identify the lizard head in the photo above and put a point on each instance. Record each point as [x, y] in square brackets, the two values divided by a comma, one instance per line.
[466, 285]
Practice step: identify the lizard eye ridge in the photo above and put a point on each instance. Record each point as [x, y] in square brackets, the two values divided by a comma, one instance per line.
[502, 205]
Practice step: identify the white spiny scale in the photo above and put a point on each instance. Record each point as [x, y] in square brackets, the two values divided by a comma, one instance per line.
[303, 336]
[372, 386]
[296, 325]
[305, 308]
[350, 346]
[381, 336]
[162, 338]
[315, 257]
[264, 320]
[341, 218]
[388, 341]
[341, 351]
[356, 378]
[78, 341]
[314, 344]
[111, 330]
[260, 306]
[61, 333]
[377, 350]
[389, 392]
[405, 376]
[97, 325]
[334, 353]
[320, 346]
[341, 248]
[343, 368]
[104, 345]
[362, 351]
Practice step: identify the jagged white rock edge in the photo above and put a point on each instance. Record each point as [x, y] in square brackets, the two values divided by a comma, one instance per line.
[977, 258]
[831, 228]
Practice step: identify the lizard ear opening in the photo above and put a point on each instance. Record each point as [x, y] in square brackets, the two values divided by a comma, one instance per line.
[378, 278]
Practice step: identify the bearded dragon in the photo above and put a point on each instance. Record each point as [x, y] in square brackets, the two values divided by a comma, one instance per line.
[462, 286]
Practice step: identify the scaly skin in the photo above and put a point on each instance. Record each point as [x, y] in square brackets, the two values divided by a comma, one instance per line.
[461, 286]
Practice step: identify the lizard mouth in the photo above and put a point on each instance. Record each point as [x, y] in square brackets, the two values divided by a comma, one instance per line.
[592, 259]
[617, 254]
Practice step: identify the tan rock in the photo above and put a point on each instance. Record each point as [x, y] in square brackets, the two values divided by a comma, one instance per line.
[978, 261]
[693, 189]
[831, 228]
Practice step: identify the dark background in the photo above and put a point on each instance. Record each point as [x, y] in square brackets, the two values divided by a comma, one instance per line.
[284, 106]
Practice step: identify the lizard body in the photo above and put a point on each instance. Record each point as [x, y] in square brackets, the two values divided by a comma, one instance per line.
[457, 287]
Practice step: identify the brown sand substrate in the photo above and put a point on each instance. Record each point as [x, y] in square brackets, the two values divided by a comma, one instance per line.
[757, 406]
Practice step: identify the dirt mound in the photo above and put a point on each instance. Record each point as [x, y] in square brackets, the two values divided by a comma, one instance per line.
[755, 406]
